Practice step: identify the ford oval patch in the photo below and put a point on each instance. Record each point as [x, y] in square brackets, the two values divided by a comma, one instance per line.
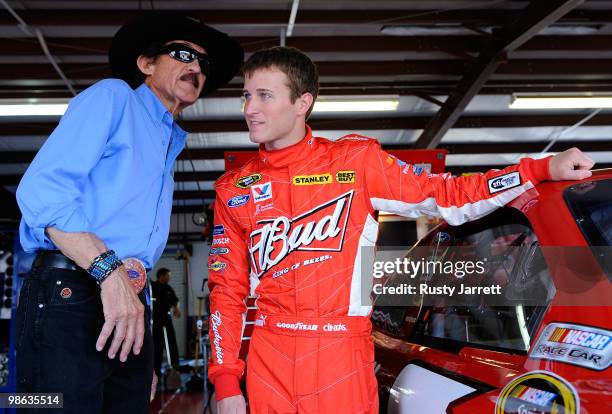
[238, 200]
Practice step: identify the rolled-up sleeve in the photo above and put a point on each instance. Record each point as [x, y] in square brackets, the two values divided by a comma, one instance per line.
[50, 192]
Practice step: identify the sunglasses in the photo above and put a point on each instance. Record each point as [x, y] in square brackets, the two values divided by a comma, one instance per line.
[186, 54]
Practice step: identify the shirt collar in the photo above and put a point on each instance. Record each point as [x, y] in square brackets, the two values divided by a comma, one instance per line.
[290, 154]
[152, 103]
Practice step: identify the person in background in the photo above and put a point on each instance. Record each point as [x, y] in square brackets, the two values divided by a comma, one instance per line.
[164, 300]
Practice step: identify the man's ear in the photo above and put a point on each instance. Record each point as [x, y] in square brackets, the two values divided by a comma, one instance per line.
[306, 101]
[145, 64]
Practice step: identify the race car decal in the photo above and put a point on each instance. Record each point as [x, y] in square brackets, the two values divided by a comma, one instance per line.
[345, 177]
[218, 229]
[316, 179]
[247, 181]
[319, 229]
[504, 182]
[580, 345]
[538, 392]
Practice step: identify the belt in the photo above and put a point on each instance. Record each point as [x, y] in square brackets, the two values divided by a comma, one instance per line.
[54, 259]
[309, 326]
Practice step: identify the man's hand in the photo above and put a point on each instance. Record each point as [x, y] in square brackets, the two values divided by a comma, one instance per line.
[571, 164]
[232, 405]
[177, 312]
[123, 313]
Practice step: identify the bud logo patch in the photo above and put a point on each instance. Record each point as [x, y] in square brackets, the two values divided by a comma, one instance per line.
[320, 229]
[249, 180]
[316, 179]
[262, 192]
[504, 182]
[345, 177]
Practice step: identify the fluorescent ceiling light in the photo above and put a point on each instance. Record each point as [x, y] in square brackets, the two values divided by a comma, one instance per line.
[560, 102]
[459, 30]
[32, 109]
[356, 106]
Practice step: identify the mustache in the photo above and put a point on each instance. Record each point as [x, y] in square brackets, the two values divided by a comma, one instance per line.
[191, 77]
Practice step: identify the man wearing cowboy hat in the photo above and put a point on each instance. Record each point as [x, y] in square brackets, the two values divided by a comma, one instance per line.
[96, 203]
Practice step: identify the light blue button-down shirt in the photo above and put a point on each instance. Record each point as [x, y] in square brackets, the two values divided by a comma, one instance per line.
[106, 169]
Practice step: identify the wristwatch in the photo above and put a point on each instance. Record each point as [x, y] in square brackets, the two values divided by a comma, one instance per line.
[103, 265]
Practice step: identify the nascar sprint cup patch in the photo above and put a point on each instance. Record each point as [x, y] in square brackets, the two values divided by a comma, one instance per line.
[247, 181]
[580, 345]
[504, 182]
[538, 392]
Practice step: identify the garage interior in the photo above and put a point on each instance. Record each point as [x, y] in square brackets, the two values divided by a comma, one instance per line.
[448, 75]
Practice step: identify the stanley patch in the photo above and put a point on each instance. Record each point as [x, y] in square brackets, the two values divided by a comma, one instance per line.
[317, 179]
[247, 181]
[345, 177]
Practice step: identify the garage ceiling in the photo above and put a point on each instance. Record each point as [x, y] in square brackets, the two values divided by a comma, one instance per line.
[454, 66]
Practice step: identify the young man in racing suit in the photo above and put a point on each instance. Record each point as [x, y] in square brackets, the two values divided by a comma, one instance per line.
[295, 219]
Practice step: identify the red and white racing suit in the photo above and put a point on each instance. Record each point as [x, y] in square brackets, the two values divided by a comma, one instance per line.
[290, 225]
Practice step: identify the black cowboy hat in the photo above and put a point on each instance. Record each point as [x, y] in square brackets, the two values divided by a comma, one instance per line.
[225, 54]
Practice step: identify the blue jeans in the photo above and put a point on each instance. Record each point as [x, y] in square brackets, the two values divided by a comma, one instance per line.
[58, 321]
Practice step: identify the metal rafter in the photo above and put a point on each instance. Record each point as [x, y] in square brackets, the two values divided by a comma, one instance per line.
[534, 18]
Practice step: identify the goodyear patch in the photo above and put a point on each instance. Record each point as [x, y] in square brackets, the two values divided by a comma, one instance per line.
[580, 345]
[504, 182]
[217, 266]
[538, 392]
[247, 181]
[345, 177]
[316, 179]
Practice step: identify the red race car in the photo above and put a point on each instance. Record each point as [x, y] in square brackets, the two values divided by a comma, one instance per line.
[552, 356]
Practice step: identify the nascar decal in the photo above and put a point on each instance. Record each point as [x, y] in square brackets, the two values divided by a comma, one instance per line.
[247, 181]
[316, 179]
[574, 344]
[217, 266]
[220, 240]
[319, 229]
[504, 182]
[345, 177]
[218, 229]
[262, 192]
[238, 201]
[538, 392]
[219, 250]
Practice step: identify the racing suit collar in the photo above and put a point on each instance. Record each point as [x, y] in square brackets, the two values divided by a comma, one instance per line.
[288, 155]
